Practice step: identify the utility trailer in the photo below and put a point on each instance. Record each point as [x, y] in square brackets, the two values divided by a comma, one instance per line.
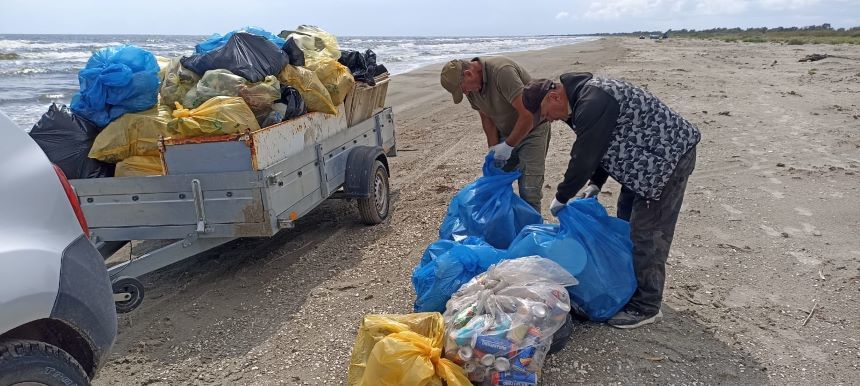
[251, 184]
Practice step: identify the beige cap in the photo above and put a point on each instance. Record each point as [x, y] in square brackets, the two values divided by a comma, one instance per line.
[452, 74]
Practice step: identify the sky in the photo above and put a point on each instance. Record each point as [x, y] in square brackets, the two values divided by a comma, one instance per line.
[415, 17]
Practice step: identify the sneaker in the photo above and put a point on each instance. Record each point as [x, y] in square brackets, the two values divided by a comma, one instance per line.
[633, 319]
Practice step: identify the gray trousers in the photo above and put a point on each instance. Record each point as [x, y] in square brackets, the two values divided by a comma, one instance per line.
[652, 228]
[529, 157]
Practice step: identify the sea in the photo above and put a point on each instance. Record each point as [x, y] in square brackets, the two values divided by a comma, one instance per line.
[43, 68]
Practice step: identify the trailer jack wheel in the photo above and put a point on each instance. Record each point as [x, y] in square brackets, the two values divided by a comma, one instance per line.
[374, 209]
[127, 294]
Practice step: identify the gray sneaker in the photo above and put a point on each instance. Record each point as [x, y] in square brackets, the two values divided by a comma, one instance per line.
[633, 319]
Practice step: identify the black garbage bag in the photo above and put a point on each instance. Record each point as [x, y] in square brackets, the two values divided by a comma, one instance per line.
[295, 104]
[249, 56]
[294, 53]
[362, 66]
[290, 105]
[380, 69]
[66, 139]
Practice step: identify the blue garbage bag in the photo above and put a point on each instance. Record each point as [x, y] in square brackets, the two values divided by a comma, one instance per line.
[489, 209]
[447, 265]
[594, 247]
[217, 40]
[116, 80]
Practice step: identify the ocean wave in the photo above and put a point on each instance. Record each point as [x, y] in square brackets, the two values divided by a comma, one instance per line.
[37, 71]
[30, 45]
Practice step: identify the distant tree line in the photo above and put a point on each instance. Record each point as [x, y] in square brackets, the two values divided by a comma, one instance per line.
[813, 34]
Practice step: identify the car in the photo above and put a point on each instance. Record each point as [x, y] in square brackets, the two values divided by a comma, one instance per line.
[57, 314]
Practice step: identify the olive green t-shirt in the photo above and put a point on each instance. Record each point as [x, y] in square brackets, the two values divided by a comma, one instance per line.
[504, 80]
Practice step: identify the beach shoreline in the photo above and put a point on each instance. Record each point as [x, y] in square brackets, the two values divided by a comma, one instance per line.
[767, 230]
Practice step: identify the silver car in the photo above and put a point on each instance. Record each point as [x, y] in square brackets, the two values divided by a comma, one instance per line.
[57, 314]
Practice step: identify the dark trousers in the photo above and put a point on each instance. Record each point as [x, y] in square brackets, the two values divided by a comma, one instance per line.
[652, 227]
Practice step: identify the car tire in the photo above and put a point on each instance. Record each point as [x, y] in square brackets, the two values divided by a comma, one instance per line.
[374, 209]
[23, 361]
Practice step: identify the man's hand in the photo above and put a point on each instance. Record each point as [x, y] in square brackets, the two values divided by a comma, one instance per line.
[590, 191]
[555, 206]
[501, 153]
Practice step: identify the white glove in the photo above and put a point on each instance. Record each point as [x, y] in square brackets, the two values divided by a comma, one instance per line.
[555, 206]
[590, 191]
[502, 152]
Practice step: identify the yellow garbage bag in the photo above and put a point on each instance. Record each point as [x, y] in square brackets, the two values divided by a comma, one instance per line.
[313, 92]
[408, 358]
[132, 134]
[137, 166]
[315, 43]
[261, 95]
[178, 80]
[374, 328]
[336, 78]
[218, 116]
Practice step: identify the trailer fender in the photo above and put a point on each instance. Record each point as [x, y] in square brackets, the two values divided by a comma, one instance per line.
[359, 168]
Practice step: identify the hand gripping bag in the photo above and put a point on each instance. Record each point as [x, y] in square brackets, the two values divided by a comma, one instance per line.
[489, 209]
[116, 80]
[594, 247]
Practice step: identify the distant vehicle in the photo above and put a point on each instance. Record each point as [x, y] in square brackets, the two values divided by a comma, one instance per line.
[641, 36]
[655, 36]
[57, 314]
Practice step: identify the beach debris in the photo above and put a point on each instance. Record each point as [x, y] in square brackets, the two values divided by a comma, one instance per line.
[811, 312]
[726, 113]
[814, 57]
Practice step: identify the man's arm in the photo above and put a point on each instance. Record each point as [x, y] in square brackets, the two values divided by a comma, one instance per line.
[596, 116]
[489, 129]
[524, 123]
[599, 177]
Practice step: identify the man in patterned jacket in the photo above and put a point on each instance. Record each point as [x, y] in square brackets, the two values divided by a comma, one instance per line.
[624, 132]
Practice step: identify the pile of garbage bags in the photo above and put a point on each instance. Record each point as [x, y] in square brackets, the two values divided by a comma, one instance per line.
[507, 283]
[243, 80]
[482, 220]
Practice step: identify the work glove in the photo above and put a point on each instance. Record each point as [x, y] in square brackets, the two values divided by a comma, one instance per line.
[555, 206]
[589, 191]
[501, 154]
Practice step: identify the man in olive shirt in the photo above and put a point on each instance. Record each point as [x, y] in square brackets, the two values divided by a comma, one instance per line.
[494, 85]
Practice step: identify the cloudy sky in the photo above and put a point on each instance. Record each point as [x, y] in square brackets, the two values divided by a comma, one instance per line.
[416, 17]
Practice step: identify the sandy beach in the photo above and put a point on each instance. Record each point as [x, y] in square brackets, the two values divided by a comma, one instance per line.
[769, 230]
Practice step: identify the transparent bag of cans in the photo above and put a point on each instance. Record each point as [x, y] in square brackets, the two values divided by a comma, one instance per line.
[499, 326]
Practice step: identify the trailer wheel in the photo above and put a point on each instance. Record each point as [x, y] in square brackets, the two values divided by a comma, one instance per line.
[374, 209]
[128, 294]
